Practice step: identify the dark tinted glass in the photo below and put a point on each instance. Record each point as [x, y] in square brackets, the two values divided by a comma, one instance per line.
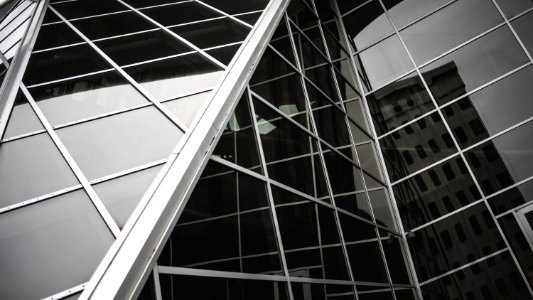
[418, 146]
[85, 8]
[142, 47]
[30, 238]
[399, 102]
[144, 3]
[395, 260]
[494, 278]
[438, 248]
[305, 291]
[148, 291]
[504, 160]
[62, 63]
[518, 243]
[514, 7]
[176, 76]
[55, 35]
[180, 13]
[212, 33]
[84, 97]
[473, 65]
[512, 198]
[524, 27]
[449, 27]
[236, 8]
[188, 287]
[112, 25]
[224, 54]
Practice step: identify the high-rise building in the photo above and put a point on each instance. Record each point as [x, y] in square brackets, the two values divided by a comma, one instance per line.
[266, 149]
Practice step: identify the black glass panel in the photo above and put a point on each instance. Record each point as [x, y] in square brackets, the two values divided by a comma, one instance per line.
[271, 66]
[112, 25]
[512, 198]
[519, 244]
[494, 278]
[396, 262]
[449, 27]
[315, 291]
[50, 237]
[473, 65]
[383, 62]
[194, 287]
[343, 175]
[367, 24]
[249, 18]
[399, 102]
[142, 47]
[84, 97]
[403, 12]
[144, 3]
[62, 63]
[504, 160]
[524, 27]
[483, 113]
[322, 78]
[282, 42]
[212, 33]
[224, 54]
[55, 35]
[148, 291]
[237, 8]
[176, 76]
[416, 146]
[85, 8]
[435, 192]
[180, 13]
[454, 241]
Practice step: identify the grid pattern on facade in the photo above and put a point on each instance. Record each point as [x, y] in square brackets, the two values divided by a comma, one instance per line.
[109, 90]
[448, 86]
[292, 204]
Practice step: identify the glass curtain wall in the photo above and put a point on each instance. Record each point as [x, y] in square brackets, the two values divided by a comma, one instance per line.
[448, 85]
[293, 203]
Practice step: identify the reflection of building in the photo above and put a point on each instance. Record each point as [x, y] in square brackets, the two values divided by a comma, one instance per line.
[218, 149]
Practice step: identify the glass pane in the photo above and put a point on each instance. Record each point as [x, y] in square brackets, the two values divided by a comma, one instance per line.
[187, 108]
[224, 54]
[367, 24]
[234, 8]
[85, 8]
[383, 62]
[504, 160]
[395, 259]
[23, 119]
[144, 3]
[514, 7]
[518, 243]
[473, 65]
[449, 27]
[404, 12]
[416, 146]
[47, 238]
[142, 47]
[84, 97]
[180, 13]
[121, 195]
[112, 25]
[483, 113]
[55, 35]
[317, 291]
[187, 288]
[148, 291]
[435, 192]
[120, 142]
[523, 27]
[399, 102]
[32, 167]
[62, 63]
[438, 248]
[176, 76]
[494, 278]
[512, 198]
[212, 33]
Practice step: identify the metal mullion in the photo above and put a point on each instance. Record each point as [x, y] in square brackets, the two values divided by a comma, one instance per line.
[382, 85]
[144, 62]
[66, 293]
[21, 136]
[128, 171]
[157, 283]
[461, 153]
[228, 215]
[353, 9]
[97, 202]
[354, 216]
[222, 46]
[185, 95]
[199, 265]
[219, 274]
[39, 199]
[107, 38]
[195, 22]
[465, 266]
[13, 77]
[176, 36]
[524, 224]
[12, 16]
[70, 78]
[58, 47]
[225, 14]
[16, 19]
[238, 198]
[525, 12]
[269, 192]
[166, 112]
[395, 211]
[95, 16]
[164, 4]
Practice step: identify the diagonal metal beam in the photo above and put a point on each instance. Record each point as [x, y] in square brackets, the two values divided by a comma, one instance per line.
[133, 255]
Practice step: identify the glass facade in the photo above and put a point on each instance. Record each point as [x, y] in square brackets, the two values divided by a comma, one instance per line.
[379, 149]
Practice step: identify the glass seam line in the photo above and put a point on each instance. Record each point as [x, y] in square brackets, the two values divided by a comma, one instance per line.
[12, 80]
[503, 236]
[404, 246]
[67, 292]
[166, 112]
[97, 202]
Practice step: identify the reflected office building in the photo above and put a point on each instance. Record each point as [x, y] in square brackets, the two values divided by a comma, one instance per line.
[266, 149]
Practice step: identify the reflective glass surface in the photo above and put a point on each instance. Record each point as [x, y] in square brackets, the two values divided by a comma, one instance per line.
[32, 167]
[512, 198]
[55, 35]
[474, 64]
[120, 142]
[121, 195]
[236, 8]
[514, 7]
[84, 97]
[212, 33]
[50, 238]
[518, 243]
[523, 27]
[180, 13]
[172, 77]
[112, 25]
[403, 12]
[23, 119]
[449, 27]
[304, 291]
[186, 108]
[224, 54]
[85, 8]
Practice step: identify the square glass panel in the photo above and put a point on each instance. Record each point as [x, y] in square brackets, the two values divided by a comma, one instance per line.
[172, 77]
[120, 142]
[47, 238]
[31, 167]
[212, 33]
[112, 25]
[55, 35]
[86, 8]
[234, 8]
[180, 13]
[224, 54]
[84, 97]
